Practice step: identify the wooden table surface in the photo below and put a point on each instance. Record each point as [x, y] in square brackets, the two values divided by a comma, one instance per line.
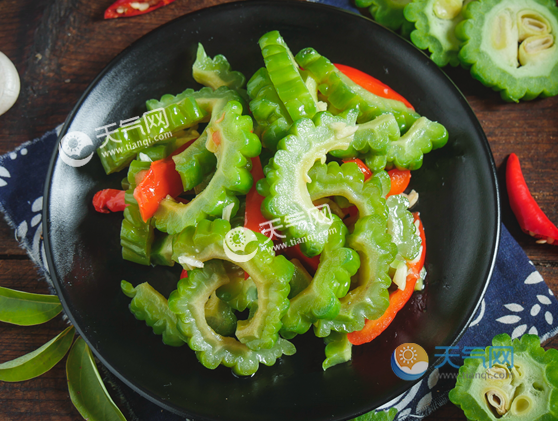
[59, 46]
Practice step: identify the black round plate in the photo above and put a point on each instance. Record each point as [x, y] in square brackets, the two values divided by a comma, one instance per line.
[458, 204]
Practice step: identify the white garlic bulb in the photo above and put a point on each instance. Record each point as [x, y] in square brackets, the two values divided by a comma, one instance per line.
[9, 84]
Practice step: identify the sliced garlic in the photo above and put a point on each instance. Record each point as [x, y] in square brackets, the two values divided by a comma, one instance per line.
[9, 84]
[227, 212]
[322, 106]
[190, 261]
[412, 197]
[530, 23]
[400, 277]
[532, 47]
[447, 9]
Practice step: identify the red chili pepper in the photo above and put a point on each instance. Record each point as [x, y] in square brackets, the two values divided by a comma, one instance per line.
[109, 200]
[399, 181]
[127, 8]
[371, 84]
[531, 218]
[397, 299]
[362, 167]
[161, 180]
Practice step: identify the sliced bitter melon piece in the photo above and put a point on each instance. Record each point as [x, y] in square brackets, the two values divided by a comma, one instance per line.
[511, 46]
[435, 22]
[369, 299]
[343, 94]
[320, 300]
[347, 181]
[149, 305]
[212, 349]
[286, 176]
[215, 72]
[231, 139]
[286, 78]
[271, 274]
[338, 349]
[267, 109]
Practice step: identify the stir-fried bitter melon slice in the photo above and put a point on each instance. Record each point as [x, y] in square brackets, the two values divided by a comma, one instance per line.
[231, 139]
[369, 299]
[212, 349]
[149, 305]
[320, 300]
[271, 274]
[267, 109]
[286, 176]
[343, 94]
[286, 78]
[402, 228]
[196, 162]
[338, 349]
[215, 72]
[347, 181]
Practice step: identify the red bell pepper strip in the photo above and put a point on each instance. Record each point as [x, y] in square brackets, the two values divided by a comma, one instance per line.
[184, 274]
[109, 200]
[310, 263]
[127, 8]
[253, 217]
[362, 167]
[531, 218]
[371, 84]
[399, 181]
[161, 180]
[397, 299]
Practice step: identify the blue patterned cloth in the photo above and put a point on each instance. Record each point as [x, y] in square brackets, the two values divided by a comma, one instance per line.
[517, 301]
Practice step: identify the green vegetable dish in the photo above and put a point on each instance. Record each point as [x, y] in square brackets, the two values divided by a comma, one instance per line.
[275, 196]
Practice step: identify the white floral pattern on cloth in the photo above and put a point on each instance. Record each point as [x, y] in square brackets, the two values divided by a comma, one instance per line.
[22, 177]
[524, 317]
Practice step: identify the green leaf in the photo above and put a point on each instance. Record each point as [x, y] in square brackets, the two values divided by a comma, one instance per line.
[39, 361]
[26, 309]
[87, 390]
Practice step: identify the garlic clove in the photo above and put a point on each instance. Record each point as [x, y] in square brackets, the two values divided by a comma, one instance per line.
[9, 84]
